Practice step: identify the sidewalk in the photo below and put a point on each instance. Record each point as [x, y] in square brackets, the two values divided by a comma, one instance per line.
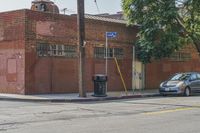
[74, 97]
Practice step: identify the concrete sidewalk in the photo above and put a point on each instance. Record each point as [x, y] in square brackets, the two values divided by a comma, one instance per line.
[74, 97]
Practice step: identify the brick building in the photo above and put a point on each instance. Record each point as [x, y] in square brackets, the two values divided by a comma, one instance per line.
[185, 60]
[38, 51]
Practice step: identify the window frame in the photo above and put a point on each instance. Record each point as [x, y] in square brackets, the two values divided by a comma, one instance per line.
[181, 56]
[100, 52]
[56, 50]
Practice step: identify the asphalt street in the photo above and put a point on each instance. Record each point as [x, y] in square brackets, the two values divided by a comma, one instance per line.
[144, 115]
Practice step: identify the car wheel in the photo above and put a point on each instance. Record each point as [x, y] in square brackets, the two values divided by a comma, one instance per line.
[187, 92]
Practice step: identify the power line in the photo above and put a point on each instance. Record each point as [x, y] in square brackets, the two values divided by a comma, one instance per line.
[65, 10]
[95, 1]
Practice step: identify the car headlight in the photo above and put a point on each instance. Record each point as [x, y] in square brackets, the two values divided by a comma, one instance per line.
[180, 84]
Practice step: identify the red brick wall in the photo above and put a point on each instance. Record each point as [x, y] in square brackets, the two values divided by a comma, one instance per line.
[158, 71]
[21, 30]
[12, 51]
[50, 74]
[59, 75]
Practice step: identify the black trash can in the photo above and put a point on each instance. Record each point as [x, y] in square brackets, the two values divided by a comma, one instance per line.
[99, 85]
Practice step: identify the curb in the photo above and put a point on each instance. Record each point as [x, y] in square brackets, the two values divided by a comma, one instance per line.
[78, 100]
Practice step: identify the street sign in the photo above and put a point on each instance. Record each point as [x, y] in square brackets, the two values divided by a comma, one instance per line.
[111, 34]
[108, 35]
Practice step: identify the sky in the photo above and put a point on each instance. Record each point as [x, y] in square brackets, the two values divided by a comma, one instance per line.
[105, 6]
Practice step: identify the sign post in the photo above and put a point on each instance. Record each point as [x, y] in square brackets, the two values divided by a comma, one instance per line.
[108, 35]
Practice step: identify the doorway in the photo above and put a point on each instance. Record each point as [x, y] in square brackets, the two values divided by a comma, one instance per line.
[138, 75]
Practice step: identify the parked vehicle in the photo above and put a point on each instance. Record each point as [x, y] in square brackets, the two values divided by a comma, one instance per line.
[181, 83]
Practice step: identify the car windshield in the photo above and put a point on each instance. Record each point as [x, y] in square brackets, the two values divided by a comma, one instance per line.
[181, 76]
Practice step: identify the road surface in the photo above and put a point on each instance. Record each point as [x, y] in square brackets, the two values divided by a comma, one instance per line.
[148, 115]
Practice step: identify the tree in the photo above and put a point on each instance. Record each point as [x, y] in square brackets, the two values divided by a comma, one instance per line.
[165, 26]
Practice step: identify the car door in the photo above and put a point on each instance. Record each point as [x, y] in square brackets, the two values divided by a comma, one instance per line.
[193, 82]
[198, 80]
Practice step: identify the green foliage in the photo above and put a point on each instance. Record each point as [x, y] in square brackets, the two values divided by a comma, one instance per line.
[165, 25]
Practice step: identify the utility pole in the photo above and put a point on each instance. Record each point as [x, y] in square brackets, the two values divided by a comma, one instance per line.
[81, 48]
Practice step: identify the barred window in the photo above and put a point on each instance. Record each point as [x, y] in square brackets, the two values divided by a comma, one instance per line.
[174, 57]
[60, 50]
[70, 51]
[100, 52]
[119, 53]
[53, 50]
[57, 50]
[110, 53]
[42, 49]
[185, 56]
[180, 56]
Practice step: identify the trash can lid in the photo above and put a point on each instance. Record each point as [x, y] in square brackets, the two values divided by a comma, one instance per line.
[100, 77]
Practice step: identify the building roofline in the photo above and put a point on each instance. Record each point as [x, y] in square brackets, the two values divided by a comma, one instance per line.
[13, 10]
[105, 19]
[87, 16]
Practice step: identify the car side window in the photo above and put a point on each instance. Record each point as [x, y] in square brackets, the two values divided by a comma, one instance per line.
[193, 77]
[198, 76]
